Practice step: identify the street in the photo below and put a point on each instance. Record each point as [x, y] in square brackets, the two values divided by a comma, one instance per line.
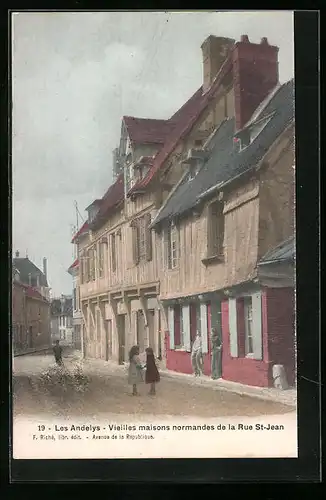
[107, 392]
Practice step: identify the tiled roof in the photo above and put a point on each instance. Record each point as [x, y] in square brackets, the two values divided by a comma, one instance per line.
[285, 251]
[147, 130]
[225, 161]
[82, 230]
[112, 198]
[29, 270]
[74, 264]
[31, 291]
[184, 120]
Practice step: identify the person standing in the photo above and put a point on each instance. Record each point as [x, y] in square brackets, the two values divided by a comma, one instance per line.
[135, 375]
[216, 363]
[197, 355]
[152, 375]
[57, 351]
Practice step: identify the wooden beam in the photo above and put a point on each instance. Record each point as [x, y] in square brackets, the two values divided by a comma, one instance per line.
[143, 302]
[127, 303]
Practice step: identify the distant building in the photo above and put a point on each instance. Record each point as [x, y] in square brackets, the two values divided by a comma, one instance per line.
[77, 316]
[62, 320]
[30, 306]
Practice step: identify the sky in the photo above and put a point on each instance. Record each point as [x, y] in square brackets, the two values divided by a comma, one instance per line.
[74, 76]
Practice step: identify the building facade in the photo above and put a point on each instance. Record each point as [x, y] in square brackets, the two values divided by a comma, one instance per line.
[174, 245]
[62, 320]
[77, 317]
[224, 215]
[30, 307]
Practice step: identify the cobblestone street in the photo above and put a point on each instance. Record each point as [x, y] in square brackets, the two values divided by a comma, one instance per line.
[108, 392]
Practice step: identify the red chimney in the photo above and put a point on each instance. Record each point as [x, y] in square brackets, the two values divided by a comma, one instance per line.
[255, 74]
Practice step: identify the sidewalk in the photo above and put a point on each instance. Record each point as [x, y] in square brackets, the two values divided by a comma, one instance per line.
[287, 397]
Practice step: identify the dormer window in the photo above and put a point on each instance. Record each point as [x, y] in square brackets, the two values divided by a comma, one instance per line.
[248, 135]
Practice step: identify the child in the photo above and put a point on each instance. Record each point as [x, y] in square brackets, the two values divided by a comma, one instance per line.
[152, 375]
[135, 375]
[57, 350]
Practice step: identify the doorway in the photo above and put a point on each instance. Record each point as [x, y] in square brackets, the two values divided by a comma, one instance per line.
[121, 328]
[151, 336]
[30, 337]
[108, 339]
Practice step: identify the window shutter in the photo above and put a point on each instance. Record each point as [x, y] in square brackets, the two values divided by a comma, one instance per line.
[257, 326]
[135, 246]
[186, 327]
[233, 328]
[209, 231]
[203, 324]
[171, 326]
[148, 237]
[166, 248]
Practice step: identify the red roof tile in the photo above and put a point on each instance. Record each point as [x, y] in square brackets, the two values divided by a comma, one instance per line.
[185, 119]
[74, 264]
[147, 130]
[82, 230]
[31, 291]
[113, 196]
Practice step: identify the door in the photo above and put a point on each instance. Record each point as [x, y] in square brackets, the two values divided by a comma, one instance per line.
[121, 325]
[108, 339]
[159, 336]
[30, 337]
[151, 333]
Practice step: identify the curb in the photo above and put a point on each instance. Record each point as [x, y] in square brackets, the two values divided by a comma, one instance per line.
[221, 387]
[25, 353]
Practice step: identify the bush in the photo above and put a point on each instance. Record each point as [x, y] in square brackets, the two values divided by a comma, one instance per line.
[59, 378]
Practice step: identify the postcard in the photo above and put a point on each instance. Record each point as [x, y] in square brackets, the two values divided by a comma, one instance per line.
[153, 259]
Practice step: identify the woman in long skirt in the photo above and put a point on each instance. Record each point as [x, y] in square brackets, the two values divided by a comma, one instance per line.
[152, 375]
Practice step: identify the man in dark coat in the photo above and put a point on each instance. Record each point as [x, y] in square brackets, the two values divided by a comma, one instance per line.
[57, 351]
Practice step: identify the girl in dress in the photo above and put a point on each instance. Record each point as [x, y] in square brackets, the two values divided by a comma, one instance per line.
[152, 375]
[135, 375]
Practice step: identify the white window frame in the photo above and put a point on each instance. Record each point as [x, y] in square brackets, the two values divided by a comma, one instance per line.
[248, 323]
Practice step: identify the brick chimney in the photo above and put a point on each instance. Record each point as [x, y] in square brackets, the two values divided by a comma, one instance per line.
[215, 50]
[255, 74]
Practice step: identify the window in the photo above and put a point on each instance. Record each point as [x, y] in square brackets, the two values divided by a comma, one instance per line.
[101, 260]
[142, 239]
[171, 246]
[249, 346]
[98, 325]
[215, 233]
[113, 253]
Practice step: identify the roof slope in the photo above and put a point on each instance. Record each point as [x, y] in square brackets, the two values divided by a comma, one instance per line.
[26, 268]
[225, 161]
[81, 231]
[185, 118]
[31, 292]
[285, 251]
[147, 130]
[113, 196]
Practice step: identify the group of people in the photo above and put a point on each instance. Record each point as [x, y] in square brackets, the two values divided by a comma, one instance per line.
[152, 376]
[197, 359]
[136, 370]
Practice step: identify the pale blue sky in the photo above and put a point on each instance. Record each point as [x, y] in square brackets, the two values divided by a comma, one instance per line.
[75, 74]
